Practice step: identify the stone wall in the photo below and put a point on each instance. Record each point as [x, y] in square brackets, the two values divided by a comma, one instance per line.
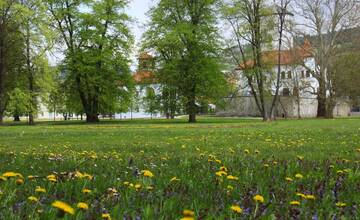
[245, 106]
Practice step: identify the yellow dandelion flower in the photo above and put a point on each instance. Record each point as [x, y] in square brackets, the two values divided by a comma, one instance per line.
[294, 203]
[147, 173]
[266, 165]
[137, 186]
[223, 168]
[52, 178]
[230, 177]
[187, 218]
[257, 151]
[246, 151]
[33, 199]
[188, 212]
[340, 172]
[310, 197]
[63, 207]
[218, 161]
[236, 209]
[82, 205]
[221, 173]
[303, 196]
[299, 176]
[340, 204]
[258, 198]
[229, 187]
[40, 190]
[106, 216]
[19, 181]
[288, 179]
[12, 174]
[150, 188]
[86, 191]
[174, 179]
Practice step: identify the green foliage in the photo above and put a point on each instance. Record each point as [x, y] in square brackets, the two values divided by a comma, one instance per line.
[19, 103]
[11, 46]
[98, 42]
[184, 36]
[346, 76]
[151, 101]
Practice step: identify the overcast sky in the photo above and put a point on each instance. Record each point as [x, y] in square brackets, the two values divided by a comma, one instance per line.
[137, 10]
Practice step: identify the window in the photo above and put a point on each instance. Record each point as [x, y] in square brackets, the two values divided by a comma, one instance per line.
[296, 91]
[286, 92]
[302, 74]
[289, 74]
[282, 75]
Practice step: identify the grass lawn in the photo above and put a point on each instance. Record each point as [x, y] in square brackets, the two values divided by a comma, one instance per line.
[156, 169]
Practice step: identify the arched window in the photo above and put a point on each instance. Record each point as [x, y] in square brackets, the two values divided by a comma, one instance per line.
[283, 75]
[289, 75]
[286, 92]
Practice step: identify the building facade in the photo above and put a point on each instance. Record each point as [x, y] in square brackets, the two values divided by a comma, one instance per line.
[297, 91]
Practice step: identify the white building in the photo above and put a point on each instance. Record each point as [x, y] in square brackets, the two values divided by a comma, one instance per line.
[297, 92]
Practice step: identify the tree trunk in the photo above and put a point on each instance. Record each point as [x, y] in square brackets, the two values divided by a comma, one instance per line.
[192, 111]
[31, 119]
[92, 117]
[192, 107]
[321, 111]
[192, 117]
[330, 105]
[16, 118]
[1, 118]
[321, 97]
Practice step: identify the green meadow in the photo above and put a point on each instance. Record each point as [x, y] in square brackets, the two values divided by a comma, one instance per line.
[160, 169]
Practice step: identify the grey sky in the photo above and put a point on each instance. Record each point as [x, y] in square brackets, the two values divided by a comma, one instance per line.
[137, 10]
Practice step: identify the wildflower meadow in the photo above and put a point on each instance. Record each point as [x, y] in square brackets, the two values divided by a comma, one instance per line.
[158, 169]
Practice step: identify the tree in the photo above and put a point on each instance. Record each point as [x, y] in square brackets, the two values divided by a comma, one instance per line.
[19, 104]
[98, 43]
[325, 22]
[151, 102]
[11, 47]
[38, 40]
[346, 70]
[183, 34]
[281, 11]
[251, 23]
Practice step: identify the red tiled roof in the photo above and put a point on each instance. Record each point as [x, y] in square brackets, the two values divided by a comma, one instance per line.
[143, 77]
[288, 57]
